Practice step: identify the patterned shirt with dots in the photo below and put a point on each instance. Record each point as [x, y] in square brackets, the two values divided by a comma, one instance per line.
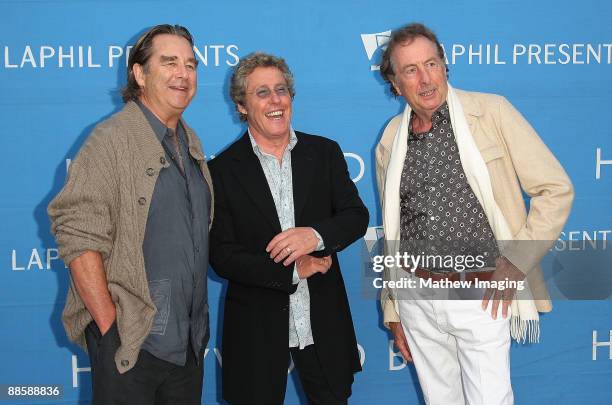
[439, 212]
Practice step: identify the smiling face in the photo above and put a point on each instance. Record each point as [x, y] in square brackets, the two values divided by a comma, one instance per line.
[267, 105]
[420, 76]
[168, 82]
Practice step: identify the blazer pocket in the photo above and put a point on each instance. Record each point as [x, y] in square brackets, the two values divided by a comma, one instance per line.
[491, 153]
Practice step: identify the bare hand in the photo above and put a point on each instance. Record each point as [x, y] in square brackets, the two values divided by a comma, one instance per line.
[504, 271]
[291, 244]
[400, 340]
[309, 265]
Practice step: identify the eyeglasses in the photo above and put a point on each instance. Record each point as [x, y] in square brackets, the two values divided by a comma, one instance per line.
[265, 92]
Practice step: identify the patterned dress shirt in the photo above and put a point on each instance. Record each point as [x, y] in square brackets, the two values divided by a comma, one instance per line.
[280, 180]
[439, 213]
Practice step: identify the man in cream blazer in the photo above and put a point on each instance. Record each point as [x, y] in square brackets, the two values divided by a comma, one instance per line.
[461, 348]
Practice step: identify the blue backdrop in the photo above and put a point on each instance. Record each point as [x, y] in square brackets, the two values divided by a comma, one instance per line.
[62, 64]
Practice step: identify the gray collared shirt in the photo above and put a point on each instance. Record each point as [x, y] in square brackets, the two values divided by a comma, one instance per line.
[280, 180]
[175, 250]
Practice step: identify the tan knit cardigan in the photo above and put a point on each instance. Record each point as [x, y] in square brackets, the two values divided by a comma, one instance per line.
[103, 207]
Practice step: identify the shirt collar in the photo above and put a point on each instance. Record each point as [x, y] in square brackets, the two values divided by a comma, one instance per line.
[438, 116]
[441, 114]
[292, 142]
[158, 127]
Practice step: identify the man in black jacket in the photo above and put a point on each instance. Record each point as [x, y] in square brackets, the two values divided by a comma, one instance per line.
[284, 205]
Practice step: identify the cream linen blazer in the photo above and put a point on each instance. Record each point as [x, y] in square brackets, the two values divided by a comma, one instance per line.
[518, 161]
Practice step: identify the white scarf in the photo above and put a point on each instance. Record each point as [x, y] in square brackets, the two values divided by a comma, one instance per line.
[524, 323]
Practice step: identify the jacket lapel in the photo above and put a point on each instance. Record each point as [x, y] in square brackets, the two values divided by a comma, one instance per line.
[303, 162]
[471, 110]
[251, 177]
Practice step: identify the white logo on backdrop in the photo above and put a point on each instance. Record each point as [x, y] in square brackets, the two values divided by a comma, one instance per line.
[597, 344]
[360, 162]
[599, 162]
[76, 370]
[396, 360]
[581, 240]
[373, 43]
[34, 259]
[501, 54]
[373, 236]
[92, 57]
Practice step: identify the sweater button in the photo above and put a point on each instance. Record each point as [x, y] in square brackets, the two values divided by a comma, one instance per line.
[150, 171]
[125, 363]
[162, 160]
[142, 201]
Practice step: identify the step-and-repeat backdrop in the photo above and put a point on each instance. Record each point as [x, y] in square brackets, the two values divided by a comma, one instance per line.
[63, 62]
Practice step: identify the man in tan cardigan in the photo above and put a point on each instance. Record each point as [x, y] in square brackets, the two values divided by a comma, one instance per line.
[132, 223]
[451, 171]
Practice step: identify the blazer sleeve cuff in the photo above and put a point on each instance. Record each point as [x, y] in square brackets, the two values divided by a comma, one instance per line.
[389, 313]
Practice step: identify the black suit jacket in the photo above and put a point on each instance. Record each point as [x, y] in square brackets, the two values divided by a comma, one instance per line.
[256, 318]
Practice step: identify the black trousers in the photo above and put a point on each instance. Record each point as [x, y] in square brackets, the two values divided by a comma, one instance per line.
[151, 381]
[315, 385]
